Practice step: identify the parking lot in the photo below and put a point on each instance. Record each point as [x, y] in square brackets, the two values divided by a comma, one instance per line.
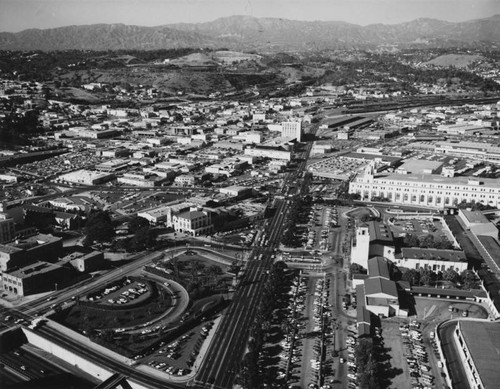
[420, 228]
[180, 357]
[410, 345]
[321, 228]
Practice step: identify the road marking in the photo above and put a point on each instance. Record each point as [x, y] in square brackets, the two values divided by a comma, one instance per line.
[429, 312]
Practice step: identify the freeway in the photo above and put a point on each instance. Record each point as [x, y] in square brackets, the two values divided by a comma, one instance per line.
[223, 359]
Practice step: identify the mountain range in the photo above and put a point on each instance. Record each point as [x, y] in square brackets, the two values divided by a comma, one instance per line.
[263, 34]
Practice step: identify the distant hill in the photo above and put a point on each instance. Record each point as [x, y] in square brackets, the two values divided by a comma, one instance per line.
[103, 37]
[263, 34]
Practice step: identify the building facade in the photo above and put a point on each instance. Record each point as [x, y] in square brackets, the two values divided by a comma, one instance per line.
[7, 229]
[193, 222]
[425, 189]
[292, 130]
[436, 260]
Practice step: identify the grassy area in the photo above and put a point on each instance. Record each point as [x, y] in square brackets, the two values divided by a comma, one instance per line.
[201, 276]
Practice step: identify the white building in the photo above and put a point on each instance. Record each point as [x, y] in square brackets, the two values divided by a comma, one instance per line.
[478, 343]
[269, 153]
[425, 189]
[86, 177]
[478, 223]
[292, 130]
[380, 293]
[372, 239]
[437, 260]
[142, 180]
[193, 222]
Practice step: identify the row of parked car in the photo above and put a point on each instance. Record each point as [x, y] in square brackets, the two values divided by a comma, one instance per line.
[128, 295]
[416, 356]
[352, 369]
[172, 370]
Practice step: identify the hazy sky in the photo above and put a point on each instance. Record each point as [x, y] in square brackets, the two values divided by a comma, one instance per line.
[17, 15]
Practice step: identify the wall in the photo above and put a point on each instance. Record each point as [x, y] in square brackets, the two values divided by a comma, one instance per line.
[100, 372]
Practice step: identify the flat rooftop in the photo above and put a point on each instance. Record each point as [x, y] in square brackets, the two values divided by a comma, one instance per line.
[420, 166]
[437, 179]
[475, 217]
[491, 246]
[483, 341]
[34, 269]
[433, 254]
[367, 156]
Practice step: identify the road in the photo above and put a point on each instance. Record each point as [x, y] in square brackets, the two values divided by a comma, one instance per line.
[223, 359]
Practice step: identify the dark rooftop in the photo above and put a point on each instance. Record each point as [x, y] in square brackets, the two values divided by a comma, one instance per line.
[433, 254]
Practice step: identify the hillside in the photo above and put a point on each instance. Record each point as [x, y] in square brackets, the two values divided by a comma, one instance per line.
[243, 33]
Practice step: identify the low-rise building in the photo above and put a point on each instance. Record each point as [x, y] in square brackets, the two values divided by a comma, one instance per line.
[7, 228]
[269, 153]
[380, 293]
[428, 190]
[194, 222]
[478, 223]
[372, 239]
[86, 262]
[86, 177]
[37, 277]
[140, 179]
[478, 343]
[236, 191]
[437, 260]
[24, 251]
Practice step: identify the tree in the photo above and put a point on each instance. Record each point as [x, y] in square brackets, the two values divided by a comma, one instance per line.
[470, 280]
[143, 239]
[99, 228]
[451, 275]
[136, 223]
[427, 277]
[365, 218]
[411, 241]
[412, 276]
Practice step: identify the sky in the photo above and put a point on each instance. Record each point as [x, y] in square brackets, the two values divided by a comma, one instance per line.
[18, 15]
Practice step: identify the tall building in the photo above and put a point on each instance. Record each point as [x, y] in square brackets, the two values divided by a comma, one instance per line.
[292, 130]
